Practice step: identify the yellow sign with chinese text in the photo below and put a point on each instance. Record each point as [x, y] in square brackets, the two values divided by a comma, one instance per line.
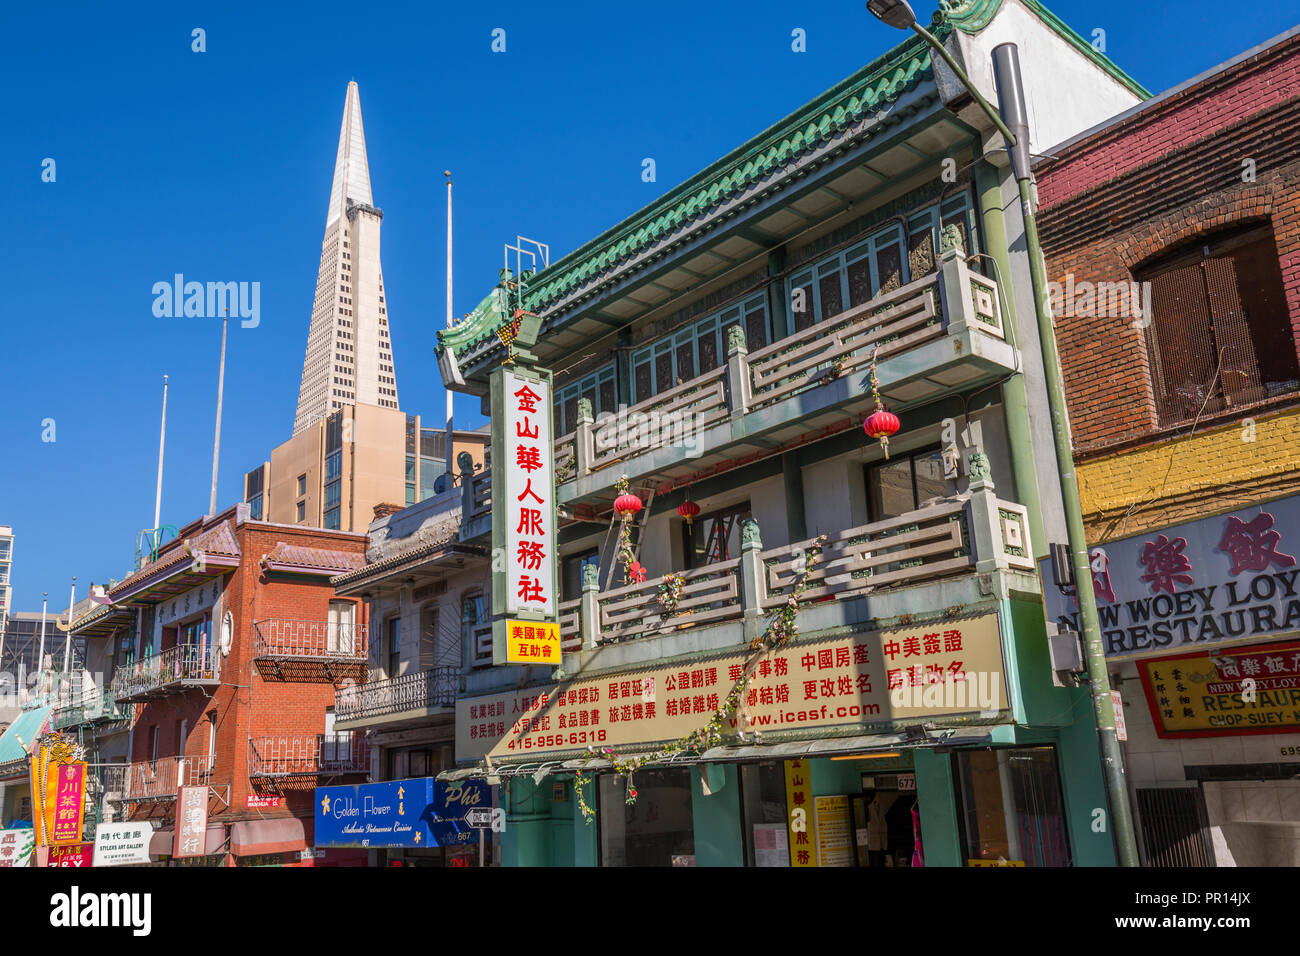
[533, 642]
[803, 819]
[834, 831]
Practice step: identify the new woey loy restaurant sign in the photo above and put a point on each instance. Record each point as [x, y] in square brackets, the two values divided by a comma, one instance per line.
[1230, 578]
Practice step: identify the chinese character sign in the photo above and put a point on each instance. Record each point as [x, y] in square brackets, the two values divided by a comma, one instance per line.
[1219, 580]
[191, 822]
[69, 803]
[533, 642]
[1248, 689]
[954, 667]
[121, 844]
[76, 854]
[528, 496]
[16, 847]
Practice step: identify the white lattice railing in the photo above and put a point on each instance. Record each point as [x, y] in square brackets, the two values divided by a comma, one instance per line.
[709, 594]
[315, 639]
[285, 755]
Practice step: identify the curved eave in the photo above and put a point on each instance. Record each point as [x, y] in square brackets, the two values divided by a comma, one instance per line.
[169, 582]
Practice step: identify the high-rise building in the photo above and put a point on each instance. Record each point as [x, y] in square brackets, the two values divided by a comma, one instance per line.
[349, 353]
[6, 564]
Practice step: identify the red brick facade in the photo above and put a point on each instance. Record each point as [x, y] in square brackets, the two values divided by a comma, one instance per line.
[1223, 152]
[247, 704]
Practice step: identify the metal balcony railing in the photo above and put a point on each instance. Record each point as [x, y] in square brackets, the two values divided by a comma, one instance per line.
[172, 671]
[419, 690]
[288, 755]
[287, 639]
[89, 709]
[160, 779]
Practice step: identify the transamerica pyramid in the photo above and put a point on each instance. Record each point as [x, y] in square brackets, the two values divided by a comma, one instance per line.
[349, 353]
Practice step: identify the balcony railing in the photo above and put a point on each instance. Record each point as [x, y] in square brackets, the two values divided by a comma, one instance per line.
[973, 532]
[290, 755]
[416, 691]
[160, 779]
[286, 639]
[89, 709]
[172, 671]
[710, 594]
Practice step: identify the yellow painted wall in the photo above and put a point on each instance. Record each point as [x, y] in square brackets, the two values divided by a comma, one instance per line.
[1221, 469]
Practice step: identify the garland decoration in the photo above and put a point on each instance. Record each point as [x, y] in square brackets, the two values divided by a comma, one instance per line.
[781, 629]
[632, 569]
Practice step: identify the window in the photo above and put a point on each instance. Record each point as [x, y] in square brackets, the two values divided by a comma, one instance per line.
[394, 648]
[714, 537]
[657, 830]
[153, 744]
[902, 483]
[342, 631]
[302, 511]
[302, 485]
[571, 572]
[430, 644]
[597, 388]
[877, 265]
[767, 834]
[1220, 334]
[696, 349]
[472, 613]
[1011, 806]
[410, 479]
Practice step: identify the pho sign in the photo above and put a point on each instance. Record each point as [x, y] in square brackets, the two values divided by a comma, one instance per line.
[523, 518]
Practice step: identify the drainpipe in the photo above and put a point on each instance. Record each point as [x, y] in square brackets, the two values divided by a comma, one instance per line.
[1014, 398]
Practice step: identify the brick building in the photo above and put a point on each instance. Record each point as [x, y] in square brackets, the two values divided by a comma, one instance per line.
[1172, 239]
[239, 646]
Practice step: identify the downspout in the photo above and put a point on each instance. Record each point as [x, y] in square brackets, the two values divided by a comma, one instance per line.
[1014, 397]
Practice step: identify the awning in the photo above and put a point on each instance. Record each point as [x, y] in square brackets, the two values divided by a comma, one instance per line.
[279, 835]
[796, 750]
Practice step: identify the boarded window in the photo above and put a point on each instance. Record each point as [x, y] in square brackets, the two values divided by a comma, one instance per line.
[1220, 335]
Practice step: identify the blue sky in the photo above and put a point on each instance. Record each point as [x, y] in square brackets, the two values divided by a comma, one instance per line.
[218, 164]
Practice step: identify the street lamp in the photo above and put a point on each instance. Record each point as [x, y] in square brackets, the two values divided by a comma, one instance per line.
[1006, 70]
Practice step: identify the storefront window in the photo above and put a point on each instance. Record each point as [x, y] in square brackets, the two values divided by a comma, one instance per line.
[1012, 810]
[767, 841]
[657, 830]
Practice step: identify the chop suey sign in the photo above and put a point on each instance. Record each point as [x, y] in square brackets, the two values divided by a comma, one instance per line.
[1227, 578]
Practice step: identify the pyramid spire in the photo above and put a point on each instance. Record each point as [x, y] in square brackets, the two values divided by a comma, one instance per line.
[349, 357]
[351, 169]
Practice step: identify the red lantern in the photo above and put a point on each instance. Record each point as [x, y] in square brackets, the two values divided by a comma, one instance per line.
[627, 504]
[880, 424]
[688, 509]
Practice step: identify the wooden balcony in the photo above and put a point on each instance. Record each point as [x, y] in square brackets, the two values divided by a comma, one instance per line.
[933, 337]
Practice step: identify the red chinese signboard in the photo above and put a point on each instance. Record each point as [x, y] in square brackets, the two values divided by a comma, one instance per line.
[69, 806]
[260, 801]
[78, 854]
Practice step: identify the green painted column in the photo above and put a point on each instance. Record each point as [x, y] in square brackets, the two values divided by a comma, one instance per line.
[795, 519]
[936, 796]
[1087, 809]
[586, 846]
[527, 838]
[1014, 397]
[717, 816]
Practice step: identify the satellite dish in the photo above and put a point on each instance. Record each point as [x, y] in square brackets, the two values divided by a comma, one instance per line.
[442, 483]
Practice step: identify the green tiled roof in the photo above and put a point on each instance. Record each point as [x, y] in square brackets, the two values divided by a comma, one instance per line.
[28, 726]
[876, 85]
[871, 88]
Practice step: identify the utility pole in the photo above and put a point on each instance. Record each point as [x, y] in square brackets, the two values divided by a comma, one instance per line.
[216, 441]
[67, 644]
[448, 451]
[1013, 124]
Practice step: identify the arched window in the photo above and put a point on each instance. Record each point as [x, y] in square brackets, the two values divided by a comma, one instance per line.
[1220, 335]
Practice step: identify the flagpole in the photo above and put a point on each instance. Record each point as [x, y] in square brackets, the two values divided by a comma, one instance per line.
[162, 440]
[450, 407]
[40, 660]
[216, 441]
[67, 644]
